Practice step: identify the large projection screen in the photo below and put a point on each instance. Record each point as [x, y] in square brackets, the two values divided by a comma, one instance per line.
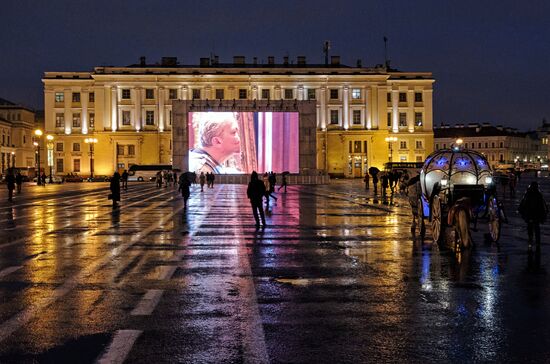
[242, 142]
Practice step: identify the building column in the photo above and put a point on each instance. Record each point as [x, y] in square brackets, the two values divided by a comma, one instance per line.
[137, 108]
[106, 121]
[346, 107]
[368, 108]
[183, 92]
[300, 92]
[161, 108]
[277, 95]
[114, 108]
[427, 115]
[323, 98]
[208, 92]
[410, 110]
[395, 110]
[68, 96]
[84, 95]
[254, 92]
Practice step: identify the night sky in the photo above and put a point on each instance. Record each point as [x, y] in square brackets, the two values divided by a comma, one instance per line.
[490, 59]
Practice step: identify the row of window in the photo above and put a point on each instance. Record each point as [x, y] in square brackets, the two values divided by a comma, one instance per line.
[130, 149]
[76, 122]
[473, 145]
[402, 119]
[60, 97]
[356, 118]
[11, 116]
[355, 146]
[403, 97]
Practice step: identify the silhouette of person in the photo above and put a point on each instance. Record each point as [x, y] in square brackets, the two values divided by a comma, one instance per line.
[19, 181]
[533, 210]
[283, 183]
[202, 179]
[184, 188]
[124, 179]
[115, 189]
[10, 182]
[256, 193]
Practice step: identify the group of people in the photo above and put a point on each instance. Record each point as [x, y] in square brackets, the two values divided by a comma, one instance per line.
[390, 179]
[166, 178]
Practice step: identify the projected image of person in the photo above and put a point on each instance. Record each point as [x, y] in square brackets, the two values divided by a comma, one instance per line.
[218, 141]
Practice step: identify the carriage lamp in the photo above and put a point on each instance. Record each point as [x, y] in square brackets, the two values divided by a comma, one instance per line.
[444, 182]
[488, 180]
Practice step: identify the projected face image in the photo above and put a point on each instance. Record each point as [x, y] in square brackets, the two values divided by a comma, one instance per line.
[240, 142]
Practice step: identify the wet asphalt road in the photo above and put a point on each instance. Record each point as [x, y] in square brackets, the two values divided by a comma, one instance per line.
[336, 277]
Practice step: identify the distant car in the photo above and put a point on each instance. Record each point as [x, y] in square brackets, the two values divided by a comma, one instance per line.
[55, 179]
[98, 179]
[74, 178]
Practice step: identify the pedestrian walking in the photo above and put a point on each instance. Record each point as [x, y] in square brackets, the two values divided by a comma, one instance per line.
[533, 210]
[512, 184]
[283, 183]
[159, 179]
[208, 180]
[10, 183]
[124, 179]
[19, 181]
[375, 183]
[184, 188]
[256, 193]
[268, 189]
[115, 189]
[175, 178]
[385, 184]
[43, 179]
[202, 179]
[212, 178]
[367, 181]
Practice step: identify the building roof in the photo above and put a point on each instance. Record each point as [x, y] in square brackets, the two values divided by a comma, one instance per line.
[6, 104]
[475, 130]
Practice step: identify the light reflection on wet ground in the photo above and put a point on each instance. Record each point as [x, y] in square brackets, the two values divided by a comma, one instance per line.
[335, 277]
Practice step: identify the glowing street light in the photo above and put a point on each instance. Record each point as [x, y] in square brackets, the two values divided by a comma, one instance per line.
[91, 142]
[38, 134]
[50, 154]
[390, 141]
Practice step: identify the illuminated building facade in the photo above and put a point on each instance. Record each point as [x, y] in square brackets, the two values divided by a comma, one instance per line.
[501, 145]
[129, 109]
[17, 125]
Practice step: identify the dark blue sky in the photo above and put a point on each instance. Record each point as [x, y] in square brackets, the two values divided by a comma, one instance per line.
[490, 59]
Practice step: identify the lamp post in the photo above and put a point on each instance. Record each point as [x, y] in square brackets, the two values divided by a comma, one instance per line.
[390, 141]
[38, 134]
[91, 142]
[50, 154]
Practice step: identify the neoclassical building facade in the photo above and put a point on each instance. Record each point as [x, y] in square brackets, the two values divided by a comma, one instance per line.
[129, 110]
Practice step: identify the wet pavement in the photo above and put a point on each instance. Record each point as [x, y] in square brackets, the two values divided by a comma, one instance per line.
[335, 277]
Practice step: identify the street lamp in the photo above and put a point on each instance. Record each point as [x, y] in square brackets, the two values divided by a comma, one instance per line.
[390, 141]
[38, 134]
[91, 142]
[50, 154]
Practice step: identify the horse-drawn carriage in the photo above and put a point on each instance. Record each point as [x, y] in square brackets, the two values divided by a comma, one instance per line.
[456, 186]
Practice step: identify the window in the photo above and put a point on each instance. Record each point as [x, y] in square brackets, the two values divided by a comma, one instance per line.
[418, 119]
[59, 120]
[403, 144]
[419, 158]
[131, 149]
[402, 158]
[501, 158]
[91, 120]
[170, 117]
[402, 97]
[289, 93]
[196, 93]
[437, 146]
[334, 94]
[389, 119]
[149, 117]
[334, 117]
[126, 94]
[242, 93]
[59, 165]
[172, 94]
[149, 93]
[76, 147]
[311, 94]
[466, 145]
[76, 165]
[76, 120]
[402, 119]
[418, 97]
[220, 93]
[121, 165]
[357, 147]
[501, 144]
[419, 144]
[119, 149]
[126, 117]
[24, 139]
[444, 145]
[356, 93]
[91, 97]
[76, 96]
[59, 97]
[492, 144]
[59, 147]
[479, 145]
[486, 145]
[356, 117]
[388, 97]
[350, 148]
[265, 93]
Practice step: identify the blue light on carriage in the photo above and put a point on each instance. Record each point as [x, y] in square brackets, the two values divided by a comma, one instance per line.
[462, 162]
[481, 162]
[441, 161]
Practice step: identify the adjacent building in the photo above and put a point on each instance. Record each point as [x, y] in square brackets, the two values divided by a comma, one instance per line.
[128, 109]
[17, 124]
[500, 144]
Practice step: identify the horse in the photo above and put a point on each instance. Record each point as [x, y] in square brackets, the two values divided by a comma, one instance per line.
[459, 217]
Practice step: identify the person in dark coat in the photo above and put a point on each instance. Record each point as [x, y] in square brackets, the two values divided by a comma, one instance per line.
[375, 182]
[284, 183]
[10, 182]
[366, 180]
[43, 179]
[256, 192]
[533, 210]
[185, 184]
[124, 179]
[385, 183]
[19, 181]
[115, 189]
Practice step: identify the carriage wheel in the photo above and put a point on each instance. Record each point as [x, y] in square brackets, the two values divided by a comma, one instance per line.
[421, 226]
[494, 221]
[437, 222]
